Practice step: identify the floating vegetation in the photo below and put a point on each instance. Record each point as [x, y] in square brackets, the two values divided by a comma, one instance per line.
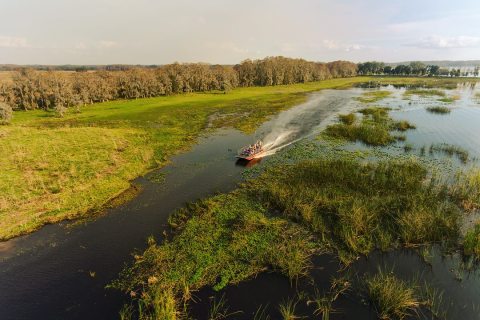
[374, 96]
[439, 110]
[403, 125]
[450, 150]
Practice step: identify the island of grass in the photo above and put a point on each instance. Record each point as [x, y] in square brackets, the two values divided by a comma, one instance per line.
[424, 92]
[374, 96]
[375, 128]
[439, 110]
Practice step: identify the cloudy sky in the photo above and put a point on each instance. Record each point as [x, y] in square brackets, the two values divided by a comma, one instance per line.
[227, 31]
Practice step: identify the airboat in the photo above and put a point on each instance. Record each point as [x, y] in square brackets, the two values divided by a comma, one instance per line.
[253, 151]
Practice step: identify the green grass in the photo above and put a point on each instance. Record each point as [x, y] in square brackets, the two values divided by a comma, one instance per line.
[391, 297]
[374, 96]
[439, 110]
[347, 119]
[61, 168]
[471, 242]
[466, 189]
[425, 92]
[375, 128]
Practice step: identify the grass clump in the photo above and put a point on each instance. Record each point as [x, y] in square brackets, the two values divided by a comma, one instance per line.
[466, 189]
[347, 119]
[391, 297]
[425, 92]
[471, 242]
[439, 110]
[287, 309]
[374, 96]
[374, 128]
[450, 99]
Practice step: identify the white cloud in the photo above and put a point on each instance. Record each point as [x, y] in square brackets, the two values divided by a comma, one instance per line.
[13, 42]
[438, 42]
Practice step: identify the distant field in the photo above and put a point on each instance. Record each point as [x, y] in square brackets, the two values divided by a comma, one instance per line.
[57, 168]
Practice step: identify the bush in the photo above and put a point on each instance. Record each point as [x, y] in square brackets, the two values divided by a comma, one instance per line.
[5, 113]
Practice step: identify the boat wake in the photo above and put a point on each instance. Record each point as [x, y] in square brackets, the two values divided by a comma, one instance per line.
[303, 121]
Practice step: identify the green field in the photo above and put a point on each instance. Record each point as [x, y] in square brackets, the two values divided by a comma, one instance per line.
[61, 168]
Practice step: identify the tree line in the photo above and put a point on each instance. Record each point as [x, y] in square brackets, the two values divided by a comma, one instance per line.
[415, 68]
[36, 89]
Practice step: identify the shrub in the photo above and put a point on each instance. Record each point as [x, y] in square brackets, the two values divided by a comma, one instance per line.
[5, 113]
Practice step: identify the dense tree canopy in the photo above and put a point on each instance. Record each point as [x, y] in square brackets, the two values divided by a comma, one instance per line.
[33, 89]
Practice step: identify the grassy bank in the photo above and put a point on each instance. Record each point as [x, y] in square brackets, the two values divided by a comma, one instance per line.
[58, 168]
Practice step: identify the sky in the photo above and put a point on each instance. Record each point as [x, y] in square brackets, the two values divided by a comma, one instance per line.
[227, 31]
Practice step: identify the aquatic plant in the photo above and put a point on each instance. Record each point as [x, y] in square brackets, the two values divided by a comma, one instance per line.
[219, 309]
[425, 92]
[261, 313]
[439, 110]
[373, 96]
[287, 309]
[391, 297]
[374, 128]
[450, 150]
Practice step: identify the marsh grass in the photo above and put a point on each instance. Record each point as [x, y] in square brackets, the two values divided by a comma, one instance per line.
[261, 313]
[391, 297]
[374, 96]
[439, 110]
[374, 128]
[425, 92]
[347, 119]
[450, 150]
[466, 189]
[348, 204]
[291, 211]
[471, 242]
[287, 309]
[450, 99]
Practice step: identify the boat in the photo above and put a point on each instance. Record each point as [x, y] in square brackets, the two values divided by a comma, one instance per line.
[251, 152]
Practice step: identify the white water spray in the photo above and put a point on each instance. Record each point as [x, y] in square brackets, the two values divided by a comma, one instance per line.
[303, 121]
